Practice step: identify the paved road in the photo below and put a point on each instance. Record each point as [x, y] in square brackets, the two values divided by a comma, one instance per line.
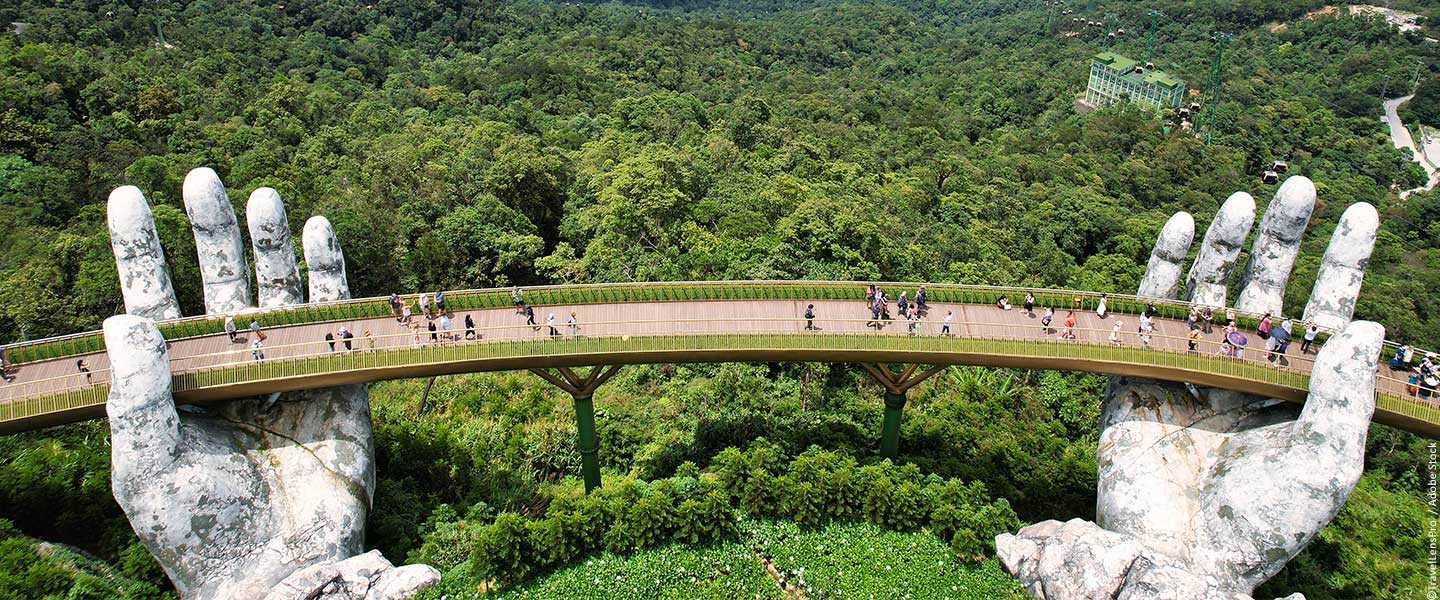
[1400, 136]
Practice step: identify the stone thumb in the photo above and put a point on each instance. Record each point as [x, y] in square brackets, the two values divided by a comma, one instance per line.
[144, 427]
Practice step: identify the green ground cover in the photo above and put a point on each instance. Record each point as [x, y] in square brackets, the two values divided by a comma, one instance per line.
[863, 560]
[841, 560]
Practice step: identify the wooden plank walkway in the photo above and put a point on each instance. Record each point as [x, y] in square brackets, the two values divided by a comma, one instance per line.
[655, 318]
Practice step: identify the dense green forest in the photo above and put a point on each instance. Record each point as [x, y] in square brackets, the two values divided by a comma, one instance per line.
[462, 145]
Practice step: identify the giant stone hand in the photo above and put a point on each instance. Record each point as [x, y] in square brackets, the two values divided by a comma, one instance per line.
[255, 498]
[1210, 492]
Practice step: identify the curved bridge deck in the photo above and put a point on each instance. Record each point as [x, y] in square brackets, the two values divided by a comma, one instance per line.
[621, 325]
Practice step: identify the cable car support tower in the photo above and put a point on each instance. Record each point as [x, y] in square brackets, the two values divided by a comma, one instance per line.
[1206, 123]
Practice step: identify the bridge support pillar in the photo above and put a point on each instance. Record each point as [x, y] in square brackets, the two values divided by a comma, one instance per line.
[896, 384]
[582, 389]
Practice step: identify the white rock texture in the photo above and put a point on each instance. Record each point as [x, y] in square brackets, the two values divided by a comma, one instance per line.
[252, 498]
[1342, 270]
[1223, 240]
[223, 269]
[277, 277]
[1275, 248]
[144, 277]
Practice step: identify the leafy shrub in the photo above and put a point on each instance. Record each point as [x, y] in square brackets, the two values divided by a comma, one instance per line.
[503, 551]
[813, 489]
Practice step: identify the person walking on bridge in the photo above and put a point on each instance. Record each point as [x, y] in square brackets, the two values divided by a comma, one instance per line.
[1115, 333]
[440, 301]
[1047, 319]
[425, 305]
[1030, 304]
[903, 304]
[1206, 317]
[810, 317]
[1310, 332]
[551, 322]
[395, 305]
[945, 329]
[920, 302]
[530, 317]
[230, 327]
[870, 297]
[347, 337]
[330, 340]
[1101, 308]
[574, 325]
[1192, 339]
[1069, 331]
[469, 328]
[517, 297]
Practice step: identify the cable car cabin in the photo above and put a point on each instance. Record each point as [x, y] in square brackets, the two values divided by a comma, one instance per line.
[1183, 113]
[1270, 177]
[1279, 166]
[1194, 107]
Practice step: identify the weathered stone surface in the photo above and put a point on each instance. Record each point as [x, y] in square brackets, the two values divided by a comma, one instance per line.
[1272, 256]
[365, 577]
[144, 277]
[1342, 270]
[1078, 560]
[403, 582]
[277, 277]
[1168, 257]
[235, 500]
[325, 261]
[1210, 274]
[305, 583]
[223, 268]
[1206, 493]
[248, 498]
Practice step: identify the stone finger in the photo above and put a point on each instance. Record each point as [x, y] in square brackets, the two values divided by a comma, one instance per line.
[325, 261]
[144, 427]
[1342, 389]
[223, 268]
[1162, 275]
[1342, 270]
[1206, 285]
[1281, 229]
[277, 276]
[139, 259]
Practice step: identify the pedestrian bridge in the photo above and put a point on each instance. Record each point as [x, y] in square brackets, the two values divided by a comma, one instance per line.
[637, 323]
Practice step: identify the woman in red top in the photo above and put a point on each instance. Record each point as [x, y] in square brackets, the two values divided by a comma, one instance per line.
[1069, 325]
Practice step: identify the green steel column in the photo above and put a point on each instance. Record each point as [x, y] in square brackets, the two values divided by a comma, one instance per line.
[589, 448]
[890, 432]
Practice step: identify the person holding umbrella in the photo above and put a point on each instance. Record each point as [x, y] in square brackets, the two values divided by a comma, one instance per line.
[1277, 344]
[1239, 341]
